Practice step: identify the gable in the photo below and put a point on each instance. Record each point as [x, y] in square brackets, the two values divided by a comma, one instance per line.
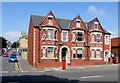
[92, 25]
[77, 23]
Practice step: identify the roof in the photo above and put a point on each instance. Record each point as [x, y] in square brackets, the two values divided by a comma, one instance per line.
[115, 41]
[64, 23]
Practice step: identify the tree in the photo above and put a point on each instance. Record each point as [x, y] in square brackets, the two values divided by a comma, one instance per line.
[15, 45]
[3, 42]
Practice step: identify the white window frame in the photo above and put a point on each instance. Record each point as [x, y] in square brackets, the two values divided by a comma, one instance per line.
[66, 37]
[78, 24]
[99, 38]
[73, 52]
[93, 53]
[106, 39]
[44, 34]
[98, 53]
[92, 37]
[74, 36]
[95, 33]
[44, 52]
[50, 52]
[50, 35]
[96, 23]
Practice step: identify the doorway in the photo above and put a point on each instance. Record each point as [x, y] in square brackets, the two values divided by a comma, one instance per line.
[64, 54]
[106, 56]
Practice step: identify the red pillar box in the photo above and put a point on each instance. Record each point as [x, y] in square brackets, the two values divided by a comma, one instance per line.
[63, 63]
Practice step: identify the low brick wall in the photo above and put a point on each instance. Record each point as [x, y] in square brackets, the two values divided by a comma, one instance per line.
[49, 63]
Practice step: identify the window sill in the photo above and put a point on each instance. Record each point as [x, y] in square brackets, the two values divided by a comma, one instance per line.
[50, 39]
[48, 58]
[95, 42]
[64, 41]
[78, 58]
[96, 58]
[77, 41]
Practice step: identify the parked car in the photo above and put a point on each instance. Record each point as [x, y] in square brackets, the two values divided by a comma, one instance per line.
[5, 54]
[12, 58]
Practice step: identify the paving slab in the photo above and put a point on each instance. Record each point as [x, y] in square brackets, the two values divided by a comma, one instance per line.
[24, 66]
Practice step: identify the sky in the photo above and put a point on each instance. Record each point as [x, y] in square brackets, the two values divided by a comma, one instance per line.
[16, 15]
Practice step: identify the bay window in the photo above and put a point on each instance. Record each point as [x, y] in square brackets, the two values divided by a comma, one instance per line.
[50, 34]
[79, 36]
[98, 53]
[50, 52]
[43, 52]
[74, 36]
[74, 53]
[98, 38]
[92, 53]
[92, 38]
[44, 34]
[79, 55]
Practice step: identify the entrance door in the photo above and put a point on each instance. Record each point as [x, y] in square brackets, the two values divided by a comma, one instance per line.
[106, 56]
[64, 54]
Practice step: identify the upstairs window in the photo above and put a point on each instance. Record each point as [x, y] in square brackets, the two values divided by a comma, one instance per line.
[44, 34]
[78, 24]
[50, 34]
[92, 38]
[64, 36]
[107, 39]
[79, 36]
[98, 53]
[74, 36]
[50, 20]
[79, 55]
[98, 38]
[96, 26]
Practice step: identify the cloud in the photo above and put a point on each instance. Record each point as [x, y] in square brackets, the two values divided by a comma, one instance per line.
[11, 35]
[94, 11]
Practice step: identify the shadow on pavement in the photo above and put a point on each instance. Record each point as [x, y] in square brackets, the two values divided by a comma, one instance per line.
[35, 78]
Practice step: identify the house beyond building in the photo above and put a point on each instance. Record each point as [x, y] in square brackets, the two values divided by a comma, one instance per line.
[115, 48]
[52, 39]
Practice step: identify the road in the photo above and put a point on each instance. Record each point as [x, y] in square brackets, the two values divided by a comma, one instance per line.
[9, 74]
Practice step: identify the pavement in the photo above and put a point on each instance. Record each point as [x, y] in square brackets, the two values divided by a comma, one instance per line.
[24, 66]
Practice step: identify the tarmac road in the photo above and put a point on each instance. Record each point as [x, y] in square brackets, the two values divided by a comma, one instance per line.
[9, 74]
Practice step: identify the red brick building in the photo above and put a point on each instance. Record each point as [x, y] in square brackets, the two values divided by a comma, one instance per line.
[115, 48]
[51, 39]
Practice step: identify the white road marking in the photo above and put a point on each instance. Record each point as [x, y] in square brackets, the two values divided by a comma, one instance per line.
[4, 71]
[14, 71]
[91, 77]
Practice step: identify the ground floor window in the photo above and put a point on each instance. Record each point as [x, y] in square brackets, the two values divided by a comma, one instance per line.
[77, 53]
[74, 53]
[98, 53]
[48, 52]
[44, 52]
[92, 53]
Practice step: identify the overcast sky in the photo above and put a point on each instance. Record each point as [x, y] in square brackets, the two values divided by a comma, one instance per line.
[16, 15]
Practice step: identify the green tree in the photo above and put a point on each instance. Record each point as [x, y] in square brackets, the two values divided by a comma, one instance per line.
[15, 45]
[3, 43]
